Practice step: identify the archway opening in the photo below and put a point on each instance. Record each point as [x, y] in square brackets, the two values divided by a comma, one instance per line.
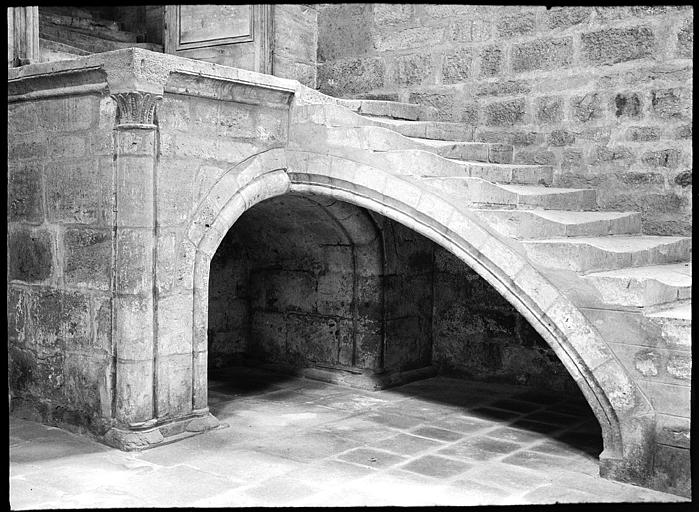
[304, 285]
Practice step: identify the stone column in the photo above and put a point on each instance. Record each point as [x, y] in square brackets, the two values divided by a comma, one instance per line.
[23, 35]
[134, 259]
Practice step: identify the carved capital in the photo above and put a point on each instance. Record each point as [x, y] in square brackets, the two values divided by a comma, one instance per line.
[136, 108]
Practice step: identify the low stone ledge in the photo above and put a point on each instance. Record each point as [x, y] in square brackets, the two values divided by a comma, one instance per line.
[366, 380]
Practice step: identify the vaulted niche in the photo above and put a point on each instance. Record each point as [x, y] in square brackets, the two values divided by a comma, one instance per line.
[308, 282]
[304, 281]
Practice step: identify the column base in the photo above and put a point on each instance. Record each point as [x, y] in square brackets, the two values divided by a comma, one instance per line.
[141, 439]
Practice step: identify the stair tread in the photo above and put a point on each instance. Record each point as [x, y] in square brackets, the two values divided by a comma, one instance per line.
[616, 243]
[409, 122]
[71, 21]
[500, 166]
[522, 190]
[675, 274]
[431, 130]
[530, 190]
[388, 109]
[680, 312]
[93, 30]
[446, 143]
[90, 42]
[565, 216]
[61, 47]
[66, 11]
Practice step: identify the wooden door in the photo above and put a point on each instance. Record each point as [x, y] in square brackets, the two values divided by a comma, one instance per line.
[233, 35]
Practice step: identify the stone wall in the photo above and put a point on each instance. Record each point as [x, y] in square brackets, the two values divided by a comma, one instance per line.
[479, 335]
[408, 296]
[295, 42]
[59, 246]
[604, 94]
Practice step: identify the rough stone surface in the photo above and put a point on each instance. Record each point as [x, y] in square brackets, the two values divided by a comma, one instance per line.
[30, 255]
[457, 67]
[351, 76]
[617, 45]
[549, 110]
[611, 68]
[506, 113]
[542, 54]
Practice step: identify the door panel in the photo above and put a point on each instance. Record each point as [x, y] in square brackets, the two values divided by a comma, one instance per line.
[232, 35]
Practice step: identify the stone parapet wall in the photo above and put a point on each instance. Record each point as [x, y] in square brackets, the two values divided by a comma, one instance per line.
[604, 94]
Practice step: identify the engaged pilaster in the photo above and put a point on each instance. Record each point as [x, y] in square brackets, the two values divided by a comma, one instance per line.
[134, 254]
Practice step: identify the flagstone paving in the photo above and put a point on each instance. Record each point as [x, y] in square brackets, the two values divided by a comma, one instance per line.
[288, 441]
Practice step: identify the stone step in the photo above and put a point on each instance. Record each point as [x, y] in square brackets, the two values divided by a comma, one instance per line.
[435, 130]
[473, 151]
[528, 224]
[379, 139]
[590, 254]
[52, 51]
[89, 43]
[418, 162]
[643, 286]
[107, 29]
[508, 173]
[390, 109]
[66, 11]
[675, 324]
[333, 114]
[482, 193]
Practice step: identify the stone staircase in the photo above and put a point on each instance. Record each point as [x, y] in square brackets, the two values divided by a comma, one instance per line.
[66, 33]
[635, 288]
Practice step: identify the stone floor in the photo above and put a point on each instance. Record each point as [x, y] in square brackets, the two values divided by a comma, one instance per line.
[295, 442]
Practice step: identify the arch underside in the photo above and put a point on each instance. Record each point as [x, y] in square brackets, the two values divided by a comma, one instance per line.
[612, 395]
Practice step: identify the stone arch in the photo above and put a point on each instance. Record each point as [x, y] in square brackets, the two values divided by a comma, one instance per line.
[624, 413]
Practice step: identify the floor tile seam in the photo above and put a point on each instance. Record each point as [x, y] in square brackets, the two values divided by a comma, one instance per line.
[501, 457]
[555, 413]
[260, 484]
[521, 413]
[470, 468]
[532, 449]
[208, 472]
[538, 474]
[419, 454]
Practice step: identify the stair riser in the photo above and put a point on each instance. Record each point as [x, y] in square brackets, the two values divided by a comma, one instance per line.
[585, 258]
[52, 46]
[633, 327]
[423, 130]
[525, 225]
[390, 109]
[674, 333]
[105, 29]
[474, 152]
[373, 138]
[52, 55]
[484, 194]
[637, 293]
[535, 176]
